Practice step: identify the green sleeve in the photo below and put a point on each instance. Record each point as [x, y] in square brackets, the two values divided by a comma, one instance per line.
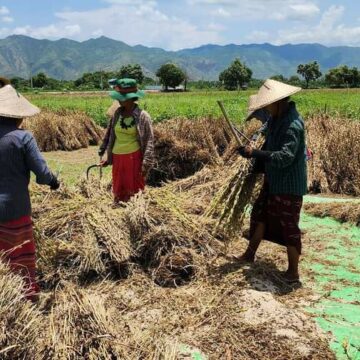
[290, 144]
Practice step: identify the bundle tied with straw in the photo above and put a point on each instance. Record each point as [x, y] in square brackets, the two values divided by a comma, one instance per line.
[239, 190]
[238, 193]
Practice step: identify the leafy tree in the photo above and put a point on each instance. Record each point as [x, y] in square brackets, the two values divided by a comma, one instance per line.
[96, 80]
[294, 80]
[310, 72]
[236, 76]
[40, 80]
[133, 71]
[170, 75]
[18, 82]
[279, 77]
[343, 76]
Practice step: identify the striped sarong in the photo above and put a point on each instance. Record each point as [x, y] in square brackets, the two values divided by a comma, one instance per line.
[17, 247]
[281, 215]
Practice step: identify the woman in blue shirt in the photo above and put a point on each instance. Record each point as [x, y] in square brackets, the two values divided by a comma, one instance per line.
[19, 155]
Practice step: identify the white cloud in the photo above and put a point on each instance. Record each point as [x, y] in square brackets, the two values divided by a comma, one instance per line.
[97, 33]
[213, 2]
[7, 19]
[215, 27]
[297, 11]
[221, 12]
[261, 9]
[329, 31]
[258, 36]
[139, 22]
[4, 10]
[48, 32]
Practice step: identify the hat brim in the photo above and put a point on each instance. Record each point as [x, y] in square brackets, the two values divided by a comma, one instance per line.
[123, 97]
[271, 92]
[263, 103]
[14, 105]
[5, 81]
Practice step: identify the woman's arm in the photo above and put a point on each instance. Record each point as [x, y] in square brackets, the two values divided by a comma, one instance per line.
[148, 141]
[106, 138]
[278, 159]
[37, 164]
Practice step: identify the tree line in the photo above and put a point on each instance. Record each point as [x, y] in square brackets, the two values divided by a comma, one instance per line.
[237, 76]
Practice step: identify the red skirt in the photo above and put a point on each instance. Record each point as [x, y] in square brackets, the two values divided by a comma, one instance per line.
[17, 246]
[281, 215]
[127, 175]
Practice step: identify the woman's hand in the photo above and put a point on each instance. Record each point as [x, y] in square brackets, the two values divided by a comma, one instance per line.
[104, 163]
[245, 151]
[144, 171]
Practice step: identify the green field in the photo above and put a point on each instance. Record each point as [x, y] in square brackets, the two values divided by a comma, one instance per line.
[195, 104]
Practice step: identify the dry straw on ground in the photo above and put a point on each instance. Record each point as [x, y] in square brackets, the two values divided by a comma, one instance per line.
[167, 239]
[20, 321]
[342, 211]
[63, 130]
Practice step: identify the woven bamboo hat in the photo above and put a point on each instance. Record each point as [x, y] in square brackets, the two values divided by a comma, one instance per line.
[271, 91]
[14, 105]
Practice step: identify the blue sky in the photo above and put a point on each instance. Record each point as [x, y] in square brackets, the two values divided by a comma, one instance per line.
[179, 24]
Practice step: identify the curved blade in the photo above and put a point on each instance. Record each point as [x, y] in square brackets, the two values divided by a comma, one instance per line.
[88, 170]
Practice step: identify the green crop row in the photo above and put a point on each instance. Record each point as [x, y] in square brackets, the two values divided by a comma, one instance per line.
[164, 106]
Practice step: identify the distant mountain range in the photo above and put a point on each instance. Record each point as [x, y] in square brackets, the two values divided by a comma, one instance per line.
[69, 59]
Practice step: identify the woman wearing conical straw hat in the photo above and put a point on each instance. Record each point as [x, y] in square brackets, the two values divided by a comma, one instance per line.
[19, 155]
[276, 212]
[129, 141]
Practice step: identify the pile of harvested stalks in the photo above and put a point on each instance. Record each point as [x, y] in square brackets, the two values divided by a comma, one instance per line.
[345, 211]
[168, 242]
[63, 130]
[336, 163]
[183, 147]
[80, 236]
[20, 322]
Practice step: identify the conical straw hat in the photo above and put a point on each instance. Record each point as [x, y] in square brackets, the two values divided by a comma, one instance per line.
[14, 105]
[270, 92]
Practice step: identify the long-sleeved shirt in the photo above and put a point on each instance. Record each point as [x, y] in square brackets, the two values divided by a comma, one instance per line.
[19, 155]
[285, 141]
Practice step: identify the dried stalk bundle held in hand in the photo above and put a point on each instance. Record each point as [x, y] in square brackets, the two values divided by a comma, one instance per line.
[238, 193]
[63, 130]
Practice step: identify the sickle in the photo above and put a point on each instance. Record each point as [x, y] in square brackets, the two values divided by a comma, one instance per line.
[91, 167]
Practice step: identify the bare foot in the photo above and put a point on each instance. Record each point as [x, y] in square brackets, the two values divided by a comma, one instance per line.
[245, 258]
[291, 278]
